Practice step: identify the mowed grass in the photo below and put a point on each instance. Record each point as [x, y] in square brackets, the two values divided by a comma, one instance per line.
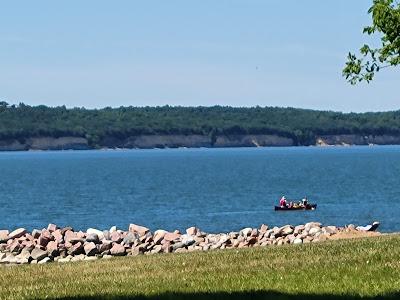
[346, 269]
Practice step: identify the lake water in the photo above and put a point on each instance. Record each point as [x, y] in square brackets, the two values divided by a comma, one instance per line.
[215, 189]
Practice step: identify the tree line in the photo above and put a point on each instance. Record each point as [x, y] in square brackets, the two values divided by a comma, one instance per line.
[302, 125]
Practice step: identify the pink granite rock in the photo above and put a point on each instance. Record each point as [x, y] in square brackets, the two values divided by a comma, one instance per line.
[29, 237]
[192, 230]
[104, 246]
[76, 248]
[73, 237]
[30, 245]
[36, 233]
[81, 234]
[171, 236]
[57, 235]
[65, 229]
[117, 250]
[52, 227]
[116, 237]
[138, 250]
[159, 236]
[166, 247]
[263, 228]
[90, 249]
[44, 238]
[68, 245]
[68, 235]
[52, 248]
[4, 235]
[139, 229]
[15, 247]
[254, 232]
[17, 233]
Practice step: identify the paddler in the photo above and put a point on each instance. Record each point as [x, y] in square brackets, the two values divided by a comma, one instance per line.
[282, 202]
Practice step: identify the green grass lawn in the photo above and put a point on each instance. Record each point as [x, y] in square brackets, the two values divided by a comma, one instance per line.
[346, 269]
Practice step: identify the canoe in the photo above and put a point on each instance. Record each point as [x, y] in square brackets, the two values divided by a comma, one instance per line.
[308, 207]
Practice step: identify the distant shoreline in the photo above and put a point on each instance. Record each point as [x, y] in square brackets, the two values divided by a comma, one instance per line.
[25, 127]
[190, 141]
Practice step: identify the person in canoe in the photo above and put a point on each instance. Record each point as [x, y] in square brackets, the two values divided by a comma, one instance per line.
[282, 202]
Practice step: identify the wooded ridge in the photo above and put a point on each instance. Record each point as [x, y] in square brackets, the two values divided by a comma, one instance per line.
[113, 127]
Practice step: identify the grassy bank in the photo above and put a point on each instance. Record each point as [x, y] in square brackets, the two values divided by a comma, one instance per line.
[346, 269]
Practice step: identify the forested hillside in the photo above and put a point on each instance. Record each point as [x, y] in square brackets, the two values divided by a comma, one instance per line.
[301, 125]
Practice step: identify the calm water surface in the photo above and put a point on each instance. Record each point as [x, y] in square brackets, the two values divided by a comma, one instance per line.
[214, 189]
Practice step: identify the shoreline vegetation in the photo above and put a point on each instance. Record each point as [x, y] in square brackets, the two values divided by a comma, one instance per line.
[65, 245]
[366, 268]
[24, 127]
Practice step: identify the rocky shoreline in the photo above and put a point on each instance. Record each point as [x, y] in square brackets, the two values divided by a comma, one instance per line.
[66, 245]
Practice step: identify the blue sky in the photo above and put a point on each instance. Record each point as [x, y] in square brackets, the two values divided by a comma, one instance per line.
[225, 52]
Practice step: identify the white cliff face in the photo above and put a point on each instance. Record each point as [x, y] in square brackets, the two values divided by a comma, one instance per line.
[196, 141]
[170, 141]
[12, 145]
[253, 140]
[190, 141]
[354, 139]
[45, 143]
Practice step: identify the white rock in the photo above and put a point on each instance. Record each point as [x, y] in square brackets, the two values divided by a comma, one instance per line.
[44, 260]
[331, 230]
[9, 258]
[2, 255]
[78, 257]
[65, 259]
[112, 229]
[89, 258]
[25, 254]
[246, 231]
[310, 225]
[23, 261]
[299, 228]
[99, 233]
[314, 230]
[297, 241]
[187, 240]
[160, 232]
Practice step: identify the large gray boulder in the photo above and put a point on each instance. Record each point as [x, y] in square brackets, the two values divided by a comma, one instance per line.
[93, 238]
[38, 254]
[99, 233]
[130, 238]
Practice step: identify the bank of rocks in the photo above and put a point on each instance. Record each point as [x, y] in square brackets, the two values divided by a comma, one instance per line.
[65, 244]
